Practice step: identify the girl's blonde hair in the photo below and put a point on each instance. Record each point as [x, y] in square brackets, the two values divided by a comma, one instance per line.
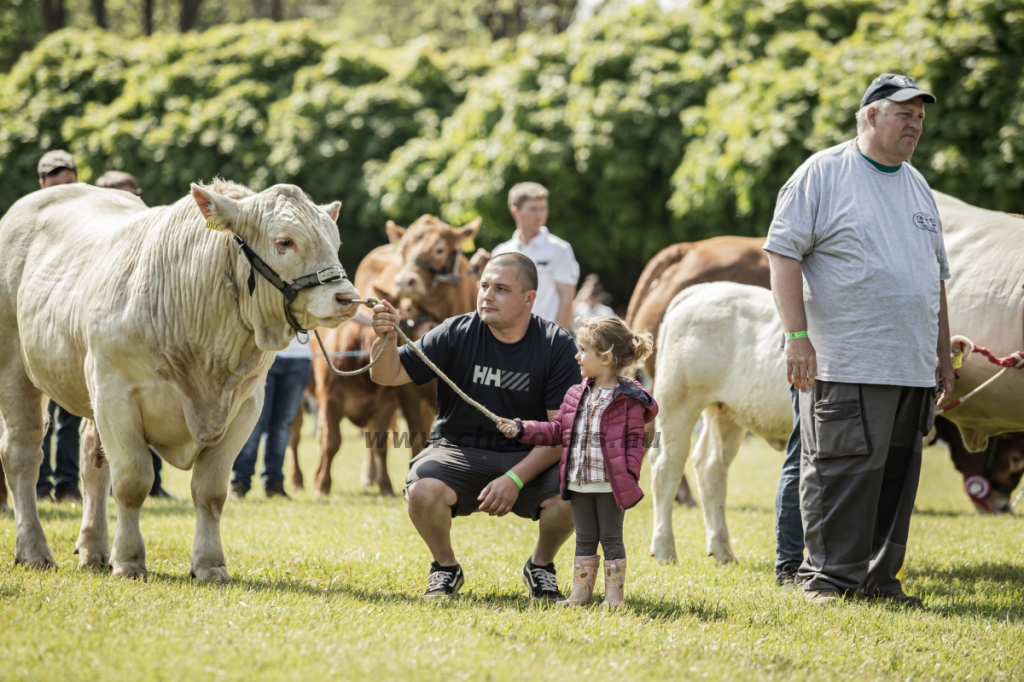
[612, 334]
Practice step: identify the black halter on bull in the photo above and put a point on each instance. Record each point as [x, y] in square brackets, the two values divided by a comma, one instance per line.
[290, 291]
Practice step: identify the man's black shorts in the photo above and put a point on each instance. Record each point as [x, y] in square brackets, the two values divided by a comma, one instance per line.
[468, 470]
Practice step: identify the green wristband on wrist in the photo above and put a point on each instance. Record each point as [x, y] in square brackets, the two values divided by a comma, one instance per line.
[796, 335]
[511, 474]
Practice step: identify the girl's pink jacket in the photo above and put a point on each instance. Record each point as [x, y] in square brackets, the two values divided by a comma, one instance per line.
[622, 436]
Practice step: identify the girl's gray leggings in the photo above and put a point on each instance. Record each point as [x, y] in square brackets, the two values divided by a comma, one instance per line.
[598, 519]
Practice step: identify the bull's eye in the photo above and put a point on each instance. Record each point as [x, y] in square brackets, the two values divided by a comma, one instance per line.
[284, 243]
[439, 250]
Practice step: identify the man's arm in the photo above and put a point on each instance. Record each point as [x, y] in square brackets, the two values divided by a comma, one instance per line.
[389, 370]
[788, 289]
[501, 493]
[566, 294]
[944, 374]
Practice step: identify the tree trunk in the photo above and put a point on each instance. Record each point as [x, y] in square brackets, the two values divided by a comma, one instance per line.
[189, 14]
[53, 15]
[147, 17]
[277, 10]
[99, 10]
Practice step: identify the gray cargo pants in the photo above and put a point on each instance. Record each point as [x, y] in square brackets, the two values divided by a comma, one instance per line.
[859, 470]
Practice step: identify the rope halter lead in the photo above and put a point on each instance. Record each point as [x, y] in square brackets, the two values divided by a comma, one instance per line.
[448, 274]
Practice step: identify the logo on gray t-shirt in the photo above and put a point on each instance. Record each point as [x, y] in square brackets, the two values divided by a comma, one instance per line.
[926, 222]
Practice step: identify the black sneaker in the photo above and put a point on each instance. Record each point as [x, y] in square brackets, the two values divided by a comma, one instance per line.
[541, 580]
[444, 581]
[786, 574]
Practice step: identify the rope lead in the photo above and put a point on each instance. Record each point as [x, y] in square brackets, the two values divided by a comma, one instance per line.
[371, 302]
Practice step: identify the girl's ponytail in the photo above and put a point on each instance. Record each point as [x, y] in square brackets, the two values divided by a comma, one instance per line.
[643, 346]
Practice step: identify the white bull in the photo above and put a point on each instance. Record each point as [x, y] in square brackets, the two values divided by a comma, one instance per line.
[142, 319]
[719, 354]
[986, 304]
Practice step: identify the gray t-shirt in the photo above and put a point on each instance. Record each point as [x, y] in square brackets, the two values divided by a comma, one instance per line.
[870, 246]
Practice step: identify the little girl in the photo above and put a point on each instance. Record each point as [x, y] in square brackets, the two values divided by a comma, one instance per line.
[601, 426]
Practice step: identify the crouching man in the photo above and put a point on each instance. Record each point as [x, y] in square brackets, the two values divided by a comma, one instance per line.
[517, 365]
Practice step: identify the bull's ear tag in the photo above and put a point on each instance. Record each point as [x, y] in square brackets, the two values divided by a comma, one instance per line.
[211, 224]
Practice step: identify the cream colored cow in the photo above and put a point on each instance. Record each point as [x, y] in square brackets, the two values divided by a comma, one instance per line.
[720, 356]
[143, 320]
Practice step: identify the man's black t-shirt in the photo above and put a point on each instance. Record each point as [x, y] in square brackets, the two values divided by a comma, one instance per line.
[522, 379]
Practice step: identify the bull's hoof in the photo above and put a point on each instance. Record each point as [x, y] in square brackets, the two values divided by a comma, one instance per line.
[296, 484]
[131, 570]
[212, 574]
[664, 556]
[39, 558]
[723, 555]
[91, 558]
[322, 494]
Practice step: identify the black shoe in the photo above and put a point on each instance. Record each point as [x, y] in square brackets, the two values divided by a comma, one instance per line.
[276, 489]
[67, 493]
[161, 494]
[786, 574]
[444, 581]
[238, 491]
[44, 495]
[898, 598]
[541, 580]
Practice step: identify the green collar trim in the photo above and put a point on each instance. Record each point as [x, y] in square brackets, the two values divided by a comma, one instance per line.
[884, 169]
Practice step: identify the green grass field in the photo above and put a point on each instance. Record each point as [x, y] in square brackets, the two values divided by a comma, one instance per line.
[329, 589]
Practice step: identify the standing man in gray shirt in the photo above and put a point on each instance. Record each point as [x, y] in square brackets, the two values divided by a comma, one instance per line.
[858, 265]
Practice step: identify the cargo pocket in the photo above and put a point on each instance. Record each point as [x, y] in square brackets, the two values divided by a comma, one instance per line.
[840, 428]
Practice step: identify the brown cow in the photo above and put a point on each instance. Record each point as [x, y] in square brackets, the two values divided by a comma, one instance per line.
[992, 474]
[425, 264]
[732, 259]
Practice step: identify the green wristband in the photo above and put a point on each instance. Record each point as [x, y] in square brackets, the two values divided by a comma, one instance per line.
[511, 474]
[796, 335]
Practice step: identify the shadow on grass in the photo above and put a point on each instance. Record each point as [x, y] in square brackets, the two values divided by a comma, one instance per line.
[702, 609]
[956, 586]
[944, 513]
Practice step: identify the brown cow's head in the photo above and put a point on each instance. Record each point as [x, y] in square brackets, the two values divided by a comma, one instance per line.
[431, 251]
[990, 476]
[415, 322]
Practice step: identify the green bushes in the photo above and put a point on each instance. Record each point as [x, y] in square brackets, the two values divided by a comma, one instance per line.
[648, 128]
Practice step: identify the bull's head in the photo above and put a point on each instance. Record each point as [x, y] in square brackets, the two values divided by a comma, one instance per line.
[990, 475]
[431, 251]
[296, 238]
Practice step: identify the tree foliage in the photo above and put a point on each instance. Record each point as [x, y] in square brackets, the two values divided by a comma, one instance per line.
[649, 128]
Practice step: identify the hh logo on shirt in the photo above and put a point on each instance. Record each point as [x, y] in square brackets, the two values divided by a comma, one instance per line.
[926, 222]
[513, 381]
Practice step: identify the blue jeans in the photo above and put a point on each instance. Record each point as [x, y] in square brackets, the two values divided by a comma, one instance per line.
[286, 381]
[789, 531]
[64, 473]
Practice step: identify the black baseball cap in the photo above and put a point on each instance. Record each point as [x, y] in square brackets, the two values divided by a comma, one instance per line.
[55, 160]
[895, 87]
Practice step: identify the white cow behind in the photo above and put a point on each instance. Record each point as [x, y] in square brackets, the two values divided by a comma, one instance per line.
[143, 320]
[985, 298]
[719, 354]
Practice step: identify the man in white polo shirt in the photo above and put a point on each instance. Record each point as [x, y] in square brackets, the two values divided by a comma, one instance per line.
[557, 268]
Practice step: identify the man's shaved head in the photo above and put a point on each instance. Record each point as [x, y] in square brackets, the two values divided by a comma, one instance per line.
[526, 271]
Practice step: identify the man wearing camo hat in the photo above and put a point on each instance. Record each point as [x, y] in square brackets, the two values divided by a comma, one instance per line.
[858, 264]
